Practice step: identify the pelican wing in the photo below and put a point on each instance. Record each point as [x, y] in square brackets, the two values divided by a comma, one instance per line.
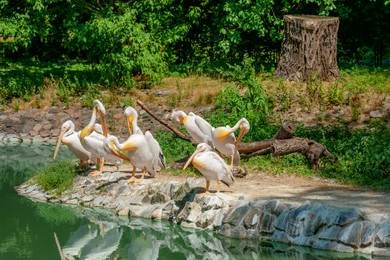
[75, 146]
[158, 156]
[206, 129]
[96, 147]
[215, 168]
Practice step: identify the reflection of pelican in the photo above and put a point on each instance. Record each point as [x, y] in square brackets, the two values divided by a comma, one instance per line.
[70, 138]
[211, 165]
[79, 239]
[138, 153]
[199, 129]
[87, 243]
[158, 156]
[143, 246]
[225, 141]
[95, 145]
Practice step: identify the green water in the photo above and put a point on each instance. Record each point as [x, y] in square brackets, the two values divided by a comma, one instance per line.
[27, 228]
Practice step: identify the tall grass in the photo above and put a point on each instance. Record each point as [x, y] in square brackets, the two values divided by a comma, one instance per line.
[57, 177]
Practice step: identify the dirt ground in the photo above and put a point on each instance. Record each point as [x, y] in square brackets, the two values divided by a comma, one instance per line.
[292, 189]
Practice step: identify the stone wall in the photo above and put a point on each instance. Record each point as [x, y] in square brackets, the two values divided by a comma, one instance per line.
[309, 224]
[42, 125]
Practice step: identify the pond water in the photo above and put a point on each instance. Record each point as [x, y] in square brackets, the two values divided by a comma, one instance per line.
[27, 228]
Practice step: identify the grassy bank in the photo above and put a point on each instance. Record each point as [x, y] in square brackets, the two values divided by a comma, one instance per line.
[363, 152]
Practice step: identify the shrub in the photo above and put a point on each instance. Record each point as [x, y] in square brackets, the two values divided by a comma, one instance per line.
[57, 177]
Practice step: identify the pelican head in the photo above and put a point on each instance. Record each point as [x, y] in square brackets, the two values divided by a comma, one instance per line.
[132, 116]
[202, 147]
[178, 116]
[68, 126]
[112, 143]
[244, 129]
[100, 109]
[99, 106]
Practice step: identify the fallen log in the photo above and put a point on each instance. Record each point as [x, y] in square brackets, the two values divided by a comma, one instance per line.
[312, 150]
[282, 143]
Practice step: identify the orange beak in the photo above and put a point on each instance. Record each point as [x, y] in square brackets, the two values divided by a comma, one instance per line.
[58, 143]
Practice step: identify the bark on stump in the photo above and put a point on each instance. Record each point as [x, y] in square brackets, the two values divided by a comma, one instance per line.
[309, 48]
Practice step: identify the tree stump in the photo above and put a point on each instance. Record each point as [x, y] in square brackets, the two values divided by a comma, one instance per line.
[309, 48]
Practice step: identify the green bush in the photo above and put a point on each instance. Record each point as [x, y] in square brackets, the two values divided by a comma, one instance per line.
[57, 177]
[231, 104]
[173, 147]
[363, 156]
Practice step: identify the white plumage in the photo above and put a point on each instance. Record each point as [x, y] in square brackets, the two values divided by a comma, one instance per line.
[211, 166]
[225, 141]
[95, 143]
[138, 153]
[198, 128]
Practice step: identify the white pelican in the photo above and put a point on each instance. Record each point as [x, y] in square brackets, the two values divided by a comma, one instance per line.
[211, 165]
[199, 129]
[70, 138]
[95, 145]
[225, 141]
[132, 123]
[138, 154]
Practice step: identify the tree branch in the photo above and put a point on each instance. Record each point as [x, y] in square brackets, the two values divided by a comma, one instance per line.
[165, 123]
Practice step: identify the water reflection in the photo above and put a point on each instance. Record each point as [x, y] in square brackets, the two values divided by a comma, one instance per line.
[86, 233]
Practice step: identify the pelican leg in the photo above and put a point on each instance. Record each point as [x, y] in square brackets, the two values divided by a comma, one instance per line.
[207, 189]
[231, 162]
[132, 179]
[97, 172]
[218, 186]
[80, 165]
[142, 177]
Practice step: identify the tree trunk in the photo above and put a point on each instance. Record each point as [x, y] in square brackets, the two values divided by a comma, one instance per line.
[309, 48]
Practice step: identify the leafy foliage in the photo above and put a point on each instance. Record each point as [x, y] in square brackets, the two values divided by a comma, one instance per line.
[57, 177]
[180, 150]
[363, 158]
[231, 105]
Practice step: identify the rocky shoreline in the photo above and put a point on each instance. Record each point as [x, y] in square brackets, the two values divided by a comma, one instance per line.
[310, 224]
[44, 125]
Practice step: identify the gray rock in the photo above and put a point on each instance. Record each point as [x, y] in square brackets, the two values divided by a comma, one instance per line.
[368, 233]
[87, 198]
[382, 238]
[348, 216]
[159, 198]
[237, 216]
[376, 114]
[267, 221]
[351, 235]
[331, 233]
[190, 213]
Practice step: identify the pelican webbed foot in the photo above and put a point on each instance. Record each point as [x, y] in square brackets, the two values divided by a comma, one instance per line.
[131, 180]
[203, 194]
[94, 173]
[140, 179]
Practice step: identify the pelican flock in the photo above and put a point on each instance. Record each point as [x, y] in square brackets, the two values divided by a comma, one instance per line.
[94, 143]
